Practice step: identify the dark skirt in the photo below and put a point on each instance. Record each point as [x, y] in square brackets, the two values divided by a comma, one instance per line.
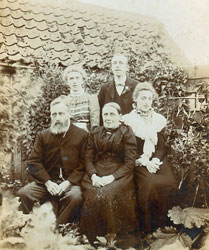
[110, 209]
[155, 194]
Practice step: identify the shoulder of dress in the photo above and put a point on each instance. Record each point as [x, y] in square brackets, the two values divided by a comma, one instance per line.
[96, 130]
[62, 97]
[159, 120]
[124, 128]
[129, 118]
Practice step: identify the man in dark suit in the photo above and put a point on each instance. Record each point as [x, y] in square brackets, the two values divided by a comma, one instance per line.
[120, 89]
[56, 164]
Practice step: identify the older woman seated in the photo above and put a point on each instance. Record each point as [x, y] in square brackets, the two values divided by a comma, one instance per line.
[153, 175]
[108, 187]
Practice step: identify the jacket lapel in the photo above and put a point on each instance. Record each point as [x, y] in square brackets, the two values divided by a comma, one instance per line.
[68, 134]
[111, 90]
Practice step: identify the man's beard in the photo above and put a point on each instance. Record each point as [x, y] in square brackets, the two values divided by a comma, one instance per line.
[59, 127]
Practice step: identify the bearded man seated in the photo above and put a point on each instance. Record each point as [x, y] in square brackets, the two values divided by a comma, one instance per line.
[56, 164]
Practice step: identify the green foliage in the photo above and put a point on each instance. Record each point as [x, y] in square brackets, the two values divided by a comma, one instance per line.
[186, 136]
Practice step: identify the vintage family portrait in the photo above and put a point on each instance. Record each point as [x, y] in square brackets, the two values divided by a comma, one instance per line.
[104, 136]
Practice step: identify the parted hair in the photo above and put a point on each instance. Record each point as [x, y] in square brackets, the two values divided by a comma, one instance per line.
[113, 105]
[74, 68]
[144, 86]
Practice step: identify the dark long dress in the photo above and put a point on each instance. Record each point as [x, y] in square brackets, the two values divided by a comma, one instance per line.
[110, 209]
[155, 191]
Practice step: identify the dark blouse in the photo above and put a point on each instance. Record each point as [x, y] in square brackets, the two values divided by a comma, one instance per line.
[118, 146]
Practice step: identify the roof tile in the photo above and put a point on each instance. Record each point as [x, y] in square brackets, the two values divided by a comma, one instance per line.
[44, 35]
[16, 14]
[25, 7]
[53, 27]
[18, 23]
[59, 46]
[66, 37]
[39, 17]
[64, 28]
[4, 4]
[26, 52]
[7, 31]
[28, 15]
[3, 48]
[13, 50]
[50, 19]
[75, 57]
[11, 1]
[1, 37]
[42, 26]
[15, 57]
[4, 11]
[3, 55]
[21, 32]
[30, 24]
[90, 24]
[6, 21]
[69, 32]
[64, 56]
[35, 43]
[71, 47]
[60, 20]
[10, 40]
[80, 23]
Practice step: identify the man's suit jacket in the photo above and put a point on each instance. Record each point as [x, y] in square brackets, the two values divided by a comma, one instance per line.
[107, 94]
[49, 149]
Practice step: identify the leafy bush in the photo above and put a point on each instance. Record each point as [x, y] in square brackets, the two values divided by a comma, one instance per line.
[32, 94]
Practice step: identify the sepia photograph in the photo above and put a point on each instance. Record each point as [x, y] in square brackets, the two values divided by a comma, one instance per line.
[104, 124]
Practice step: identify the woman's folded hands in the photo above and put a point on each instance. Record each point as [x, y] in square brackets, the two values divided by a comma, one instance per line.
[98, 181]
[152, 165]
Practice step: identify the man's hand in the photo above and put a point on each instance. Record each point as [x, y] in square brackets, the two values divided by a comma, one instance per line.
[107, 179]
[96, 181]
[52, 187]
[63, 186]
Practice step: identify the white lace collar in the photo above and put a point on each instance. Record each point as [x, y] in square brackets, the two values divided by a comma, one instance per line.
[146, 129]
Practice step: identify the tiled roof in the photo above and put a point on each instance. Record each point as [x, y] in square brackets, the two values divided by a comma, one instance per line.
[70, 32]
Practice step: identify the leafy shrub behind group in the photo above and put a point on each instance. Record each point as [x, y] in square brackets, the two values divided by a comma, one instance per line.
[34, 94]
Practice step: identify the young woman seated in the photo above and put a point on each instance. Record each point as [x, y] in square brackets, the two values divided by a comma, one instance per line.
[154, 178]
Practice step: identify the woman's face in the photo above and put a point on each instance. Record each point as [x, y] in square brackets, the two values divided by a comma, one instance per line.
[111, 117]
[144, 100]
[75, 81]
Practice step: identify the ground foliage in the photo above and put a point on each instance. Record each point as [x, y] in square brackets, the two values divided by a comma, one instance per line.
[27, 232]
[25, 111]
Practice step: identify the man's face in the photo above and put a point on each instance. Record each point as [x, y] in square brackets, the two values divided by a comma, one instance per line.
[59, 118]
[75, 81]
[119, 65]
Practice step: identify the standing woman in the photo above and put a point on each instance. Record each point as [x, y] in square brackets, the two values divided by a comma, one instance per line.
[108, 188]
[153, 175]
[84, 108]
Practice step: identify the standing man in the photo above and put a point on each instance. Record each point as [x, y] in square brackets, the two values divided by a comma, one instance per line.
[120, 89]
[56, 164]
